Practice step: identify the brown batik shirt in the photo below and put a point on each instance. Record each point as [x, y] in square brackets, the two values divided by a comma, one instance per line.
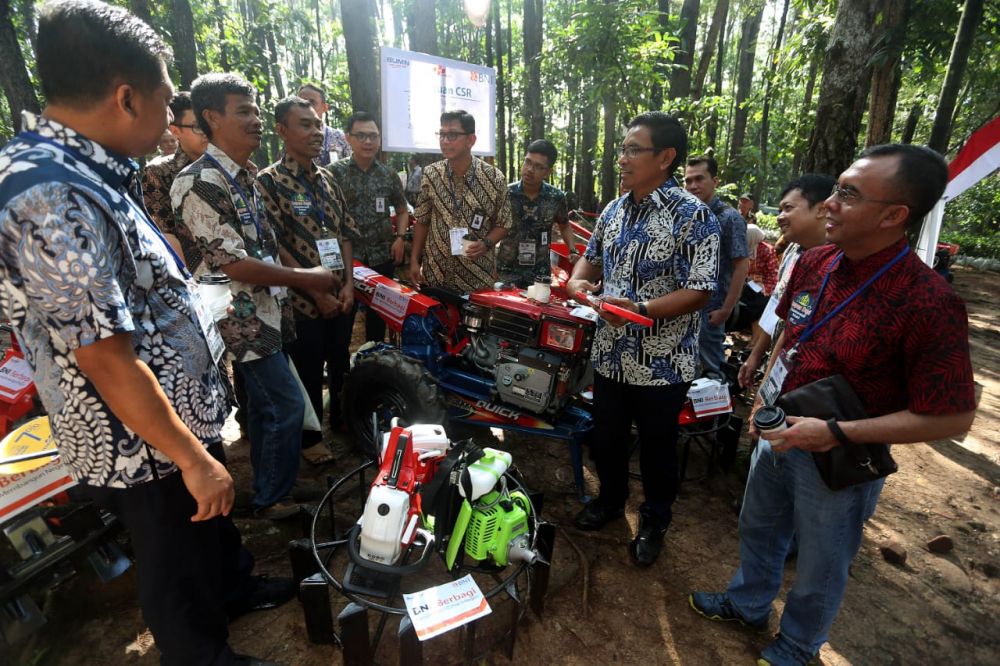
[157, 178]
[479, 203]
[303, 207]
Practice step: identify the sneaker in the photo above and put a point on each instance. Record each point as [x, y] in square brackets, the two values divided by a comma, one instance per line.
[782, 652]
[716, 606]
[280, 510]
[596, 515]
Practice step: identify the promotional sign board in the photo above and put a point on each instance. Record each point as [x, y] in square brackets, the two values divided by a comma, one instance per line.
[417, 88]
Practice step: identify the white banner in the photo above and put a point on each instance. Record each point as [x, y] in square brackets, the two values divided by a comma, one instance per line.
[417, 88]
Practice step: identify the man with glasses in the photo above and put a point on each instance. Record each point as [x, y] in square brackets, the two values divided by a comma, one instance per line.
[535, 207]
[462, 213]
[335, 144]
[373, 192]
[866, 308]
[654, 251]
[159, 174]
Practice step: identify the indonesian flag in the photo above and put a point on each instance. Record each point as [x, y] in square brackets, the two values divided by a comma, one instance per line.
[978, 158]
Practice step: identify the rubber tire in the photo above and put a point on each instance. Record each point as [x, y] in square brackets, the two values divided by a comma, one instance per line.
[400, 385]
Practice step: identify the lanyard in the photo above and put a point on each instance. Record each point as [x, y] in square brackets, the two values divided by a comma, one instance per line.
[317, 202]
[811, 327]
[138, 206]
[247, 199]
[456, 202]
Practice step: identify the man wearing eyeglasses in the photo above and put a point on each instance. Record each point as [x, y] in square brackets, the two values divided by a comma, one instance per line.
[373, 192]
[866, 308]
[159, 174]
[462, 213]
[335, 145]
[654, 251]
[535, 207]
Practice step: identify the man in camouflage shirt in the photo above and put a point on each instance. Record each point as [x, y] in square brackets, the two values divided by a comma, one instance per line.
[370, 188]
[535, 207]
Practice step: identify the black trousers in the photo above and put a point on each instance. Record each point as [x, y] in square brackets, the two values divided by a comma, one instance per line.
[322, 342]
[374, 324]
[655, 410]
[187, 572]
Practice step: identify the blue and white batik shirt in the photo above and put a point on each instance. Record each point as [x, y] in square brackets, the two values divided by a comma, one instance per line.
[81, 261]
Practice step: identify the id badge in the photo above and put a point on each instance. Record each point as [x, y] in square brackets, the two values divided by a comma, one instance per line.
[300, 204]
[771, 388]
[277, 292]
[545, 238]
[526, 253]
[329, 253]
[216, 345]
[477, 220]
[379, 204]
[455, 237]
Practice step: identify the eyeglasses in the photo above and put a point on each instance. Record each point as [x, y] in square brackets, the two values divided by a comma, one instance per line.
[451, 136]
[850, 196]
[194, 128]
[632, 152]
[534, 166]
[366, 137]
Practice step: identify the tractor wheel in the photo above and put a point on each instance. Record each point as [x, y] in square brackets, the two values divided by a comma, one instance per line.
[389, 384]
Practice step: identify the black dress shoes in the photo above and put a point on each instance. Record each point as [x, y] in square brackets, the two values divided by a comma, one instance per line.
[596, 515]
[264, 593]
[646, 546]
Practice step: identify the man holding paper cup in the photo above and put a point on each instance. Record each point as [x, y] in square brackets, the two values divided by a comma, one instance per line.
[655, 251]
[462, 198]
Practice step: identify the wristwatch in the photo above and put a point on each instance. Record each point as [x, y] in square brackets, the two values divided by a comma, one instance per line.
[838, 432]
[490, 244]
[642, 309]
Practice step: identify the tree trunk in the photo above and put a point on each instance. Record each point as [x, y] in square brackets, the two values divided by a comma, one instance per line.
[185, 50]
[420, 18]
[511, 153]
[397, 24]
[359, 40]
[680, 80]
[765, 126]
[972, 13]
[13, 71]
[910, 126]
[656, 93]
[30, 22]
[712, 130]
[141, 9]
[886, 78]
[844, 92]
[718, 25]
[272, 54]
[585, 166]
[494, 38]
[320, 52]
[609, 161]
[569, 154]
[533, 118]
[800, 141]
[744, 80]
[220, 24]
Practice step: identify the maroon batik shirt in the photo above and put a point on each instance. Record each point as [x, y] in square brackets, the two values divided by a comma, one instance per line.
[902, 344]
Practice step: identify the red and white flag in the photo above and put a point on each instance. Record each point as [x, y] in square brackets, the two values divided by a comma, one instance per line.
[978, 158]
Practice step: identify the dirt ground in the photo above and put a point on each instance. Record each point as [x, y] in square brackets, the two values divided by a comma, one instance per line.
[601, 609]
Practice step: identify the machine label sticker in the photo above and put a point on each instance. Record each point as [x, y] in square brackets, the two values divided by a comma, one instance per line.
[390, 301]
[15, 375]
[440, 609]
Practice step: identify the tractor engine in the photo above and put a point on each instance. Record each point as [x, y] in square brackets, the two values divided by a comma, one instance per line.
[538, 354]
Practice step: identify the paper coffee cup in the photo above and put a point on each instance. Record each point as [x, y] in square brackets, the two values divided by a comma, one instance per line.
[770, 421]
[467, 241]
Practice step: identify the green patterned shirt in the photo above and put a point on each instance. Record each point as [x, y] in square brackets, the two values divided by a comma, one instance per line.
[524, 254]
[369, 195]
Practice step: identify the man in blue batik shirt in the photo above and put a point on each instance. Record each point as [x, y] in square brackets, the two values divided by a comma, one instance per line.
[654, 251]
[109, 322]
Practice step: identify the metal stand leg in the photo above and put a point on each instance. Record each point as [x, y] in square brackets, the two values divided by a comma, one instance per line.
[353, 622]
[315, 597]
[411, 650]
[576, 459]
[545, 543]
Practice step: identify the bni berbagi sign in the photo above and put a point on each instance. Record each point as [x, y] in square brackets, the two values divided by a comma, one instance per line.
[417, 88]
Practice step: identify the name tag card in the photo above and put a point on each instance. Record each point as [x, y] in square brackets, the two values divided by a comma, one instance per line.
[329, 253]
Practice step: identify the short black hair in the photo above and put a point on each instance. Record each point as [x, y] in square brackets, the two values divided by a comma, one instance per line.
[180, 103]
[86, 48]
[286, 104]
[666, 132]
[359, 117]
[314, 88]
[209, 92]
[815, 187]
[464, 117]
[921, 175]
[543, 147]
[709, 162]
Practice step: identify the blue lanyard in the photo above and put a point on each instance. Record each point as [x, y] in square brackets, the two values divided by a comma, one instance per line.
[138, 206]
[249, 201]
[812, 328]
[456, 202]
[317, 202]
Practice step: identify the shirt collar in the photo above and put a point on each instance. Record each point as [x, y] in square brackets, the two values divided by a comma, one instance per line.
[469, 175]
[659, 197]
[293, 167]
[868, 266]
[113, 168]
[353, 163]
[227, 163]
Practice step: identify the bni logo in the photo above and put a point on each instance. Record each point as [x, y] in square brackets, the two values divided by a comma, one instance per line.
[440, 70]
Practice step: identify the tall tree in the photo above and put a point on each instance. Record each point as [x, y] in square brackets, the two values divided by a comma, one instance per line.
[420, 19]
[800, 138]
[141, 9]
[585, 157]
[13, 70]
[680, 80]
[744, 80]
[972, 13]
[712, 130]
[717, 25]
[844, 91]
[359, 40]
[609, 161]
[534, 120]
[886, 77]
[185, 50]
[494, 37]
[765, 114]
[663, 23]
